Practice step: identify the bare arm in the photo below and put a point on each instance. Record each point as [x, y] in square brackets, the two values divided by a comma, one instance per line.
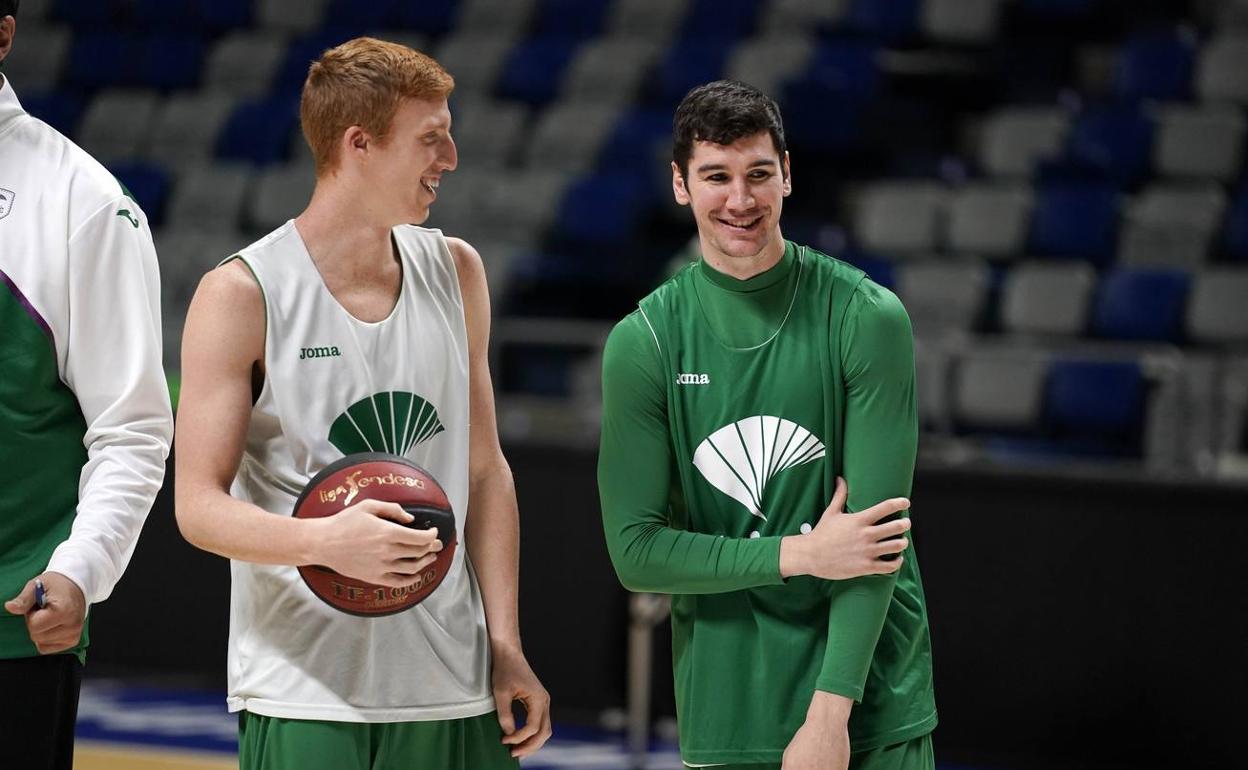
[492, 529]
[222, 344]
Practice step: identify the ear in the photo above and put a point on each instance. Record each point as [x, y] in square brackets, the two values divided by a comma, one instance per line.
[788, 175]
[355, 143]
[678, 186]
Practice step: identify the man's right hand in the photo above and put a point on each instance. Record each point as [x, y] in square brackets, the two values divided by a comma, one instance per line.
[848, 545]
[368, 541]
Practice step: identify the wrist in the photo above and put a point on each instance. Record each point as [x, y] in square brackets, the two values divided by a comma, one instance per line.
[793, 561]
[308, 539]
[506, 647]
[829, 708]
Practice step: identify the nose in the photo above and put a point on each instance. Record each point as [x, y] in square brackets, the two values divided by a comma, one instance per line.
[450, 155]
[740, 196]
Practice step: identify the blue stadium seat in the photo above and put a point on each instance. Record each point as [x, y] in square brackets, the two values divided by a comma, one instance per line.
[728, 20]
[429, 17]
[149, 185]
[1058, 9]
[258, 131]
[1114, 141]
[1141, 305]
[87, 13]
[171, 61]
[102, 59]
[687, 65]
[820, 119]
[1075, 219]
[58, 109]
[602, 209]
[356, 18]
[633, 142]
[227, 14]
[577, 19]
[1156, 66]
[844, 67]
[534, 69]
[888, 20]
[213, 15]
[1097, 405]
[300, 55]
[1237, 227]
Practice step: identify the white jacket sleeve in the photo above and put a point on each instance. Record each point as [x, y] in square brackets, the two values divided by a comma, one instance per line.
[112, 362]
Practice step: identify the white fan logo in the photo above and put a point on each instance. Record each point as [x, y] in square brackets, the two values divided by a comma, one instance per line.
[740, 459]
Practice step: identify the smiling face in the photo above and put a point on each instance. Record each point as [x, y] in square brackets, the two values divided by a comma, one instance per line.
[736, 192]
[403, 169]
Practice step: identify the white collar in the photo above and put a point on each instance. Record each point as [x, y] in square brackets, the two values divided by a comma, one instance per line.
[10, 107]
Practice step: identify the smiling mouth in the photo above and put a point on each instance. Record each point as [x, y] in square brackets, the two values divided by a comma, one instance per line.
[431, 186]
[741, 225]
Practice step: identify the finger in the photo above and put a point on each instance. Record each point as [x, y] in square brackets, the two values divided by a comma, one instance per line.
[412, 567]
[536, 729]
[838, 497]
[506, 720]
[886, 508]
[390, 511]
[46, 621]
[403, 553]
[891, 528]
[885, 567]
[420, 537]
[25, 599]
[892, 546]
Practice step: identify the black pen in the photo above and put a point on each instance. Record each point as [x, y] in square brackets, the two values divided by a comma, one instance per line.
[41, 596]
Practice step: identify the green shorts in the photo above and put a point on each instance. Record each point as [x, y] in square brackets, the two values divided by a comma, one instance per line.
[914, 754]
[272, 743]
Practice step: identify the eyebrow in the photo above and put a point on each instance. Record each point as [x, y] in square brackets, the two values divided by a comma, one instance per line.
[722, 167]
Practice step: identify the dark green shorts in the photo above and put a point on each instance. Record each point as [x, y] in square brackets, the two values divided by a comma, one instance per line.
[272, 743]
[915, 754]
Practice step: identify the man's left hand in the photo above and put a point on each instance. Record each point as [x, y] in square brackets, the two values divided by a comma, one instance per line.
[822, 742]
[515, 681]
[58, 625]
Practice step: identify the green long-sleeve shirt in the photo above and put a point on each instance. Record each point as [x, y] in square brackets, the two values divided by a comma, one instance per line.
[729, 407]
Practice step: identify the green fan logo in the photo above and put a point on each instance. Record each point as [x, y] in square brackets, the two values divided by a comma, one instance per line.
[393, 422]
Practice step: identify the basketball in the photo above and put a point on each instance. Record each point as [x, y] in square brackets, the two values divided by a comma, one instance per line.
[390, 478]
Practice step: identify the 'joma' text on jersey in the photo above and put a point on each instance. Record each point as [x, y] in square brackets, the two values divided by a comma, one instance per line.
[318, 352]
[693, 379]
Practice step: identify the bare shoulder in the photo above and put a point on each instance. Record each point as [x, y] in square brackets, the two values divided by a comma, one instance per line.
[467, 258]
[228, 307]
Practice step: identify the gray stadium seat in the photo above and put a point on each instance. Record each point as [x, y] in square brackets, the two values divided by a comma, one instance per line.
[788, 16]
[487, 130]
[458, 209]
[184, 131]
[117, 124]
[1222, 73]
[767, 62]
[184, 258]
[960, 21]
[297, 16]
[1047, 298]
[991, 220]
[943, 296]
[243, 63]
[521, 204]
[900, 217]
[1172, 225]
[653, 19]
[279, 194]
[1217, 310]
[474, 59]
[1195, 142]
[1015, 139]
[569, 135]
[209, 198]
[1000, 389]
[38, 56]
[609, 69]
[508, 18]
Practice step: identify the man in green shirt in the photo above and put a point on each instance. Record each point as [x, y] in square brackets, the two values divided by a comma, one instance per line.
[742, 396]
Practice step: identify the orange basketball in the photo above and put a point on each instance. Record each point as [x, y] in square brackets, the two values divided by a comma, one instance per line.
[394, 479]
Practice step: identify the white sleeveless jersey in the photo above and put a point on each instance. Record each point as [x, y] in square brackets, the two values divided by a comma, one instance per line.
[336, 385]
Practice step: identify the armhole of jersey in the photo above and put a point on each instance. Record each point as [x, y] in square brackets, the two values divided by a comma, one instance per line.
[264, 300]
[653, 334]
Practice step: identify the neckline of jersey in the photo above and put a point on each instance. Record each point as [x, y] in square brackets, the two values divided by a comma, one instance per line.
[320, 279]
[769, 277]
[793, 257]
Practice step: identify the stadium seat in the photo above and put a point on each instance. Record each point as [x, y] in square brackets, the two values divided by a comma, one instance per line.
[1200, 142]
[278, 194]
[801, 16]
[258, 131]
[686, 65]
[602, 210]
[1217, 312]
[844, 67]
[291, 16]
[656, 20]
[999, 390]
[209, 197]
[726, 20]
[1015, 139]
[990, 220]
[576, 19]
[534, 69]
[519, 204]
[58, 109]
[609, 69]
[568, 136]
[459, 208]
[147, 184]
[506, 18]
[1172, 225]
[1075, 219]
[354, 17]
[900, 217]
[117, 124]
[960, 21]
[1156, 65]
[1114, 141]
[103, 59]
[943, 296]
[487, 130]
[428, 17]
[1220, 73]
[1237, 227]
[293, 71]
[171, 61]
[186, 127]
[91, 14]
[1102, 401]
[636, 140]
[476, 59]
[1047, 298]
[243, 63]
[767, 62]
[1144, 305]
[889, 20]
[43, 53]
